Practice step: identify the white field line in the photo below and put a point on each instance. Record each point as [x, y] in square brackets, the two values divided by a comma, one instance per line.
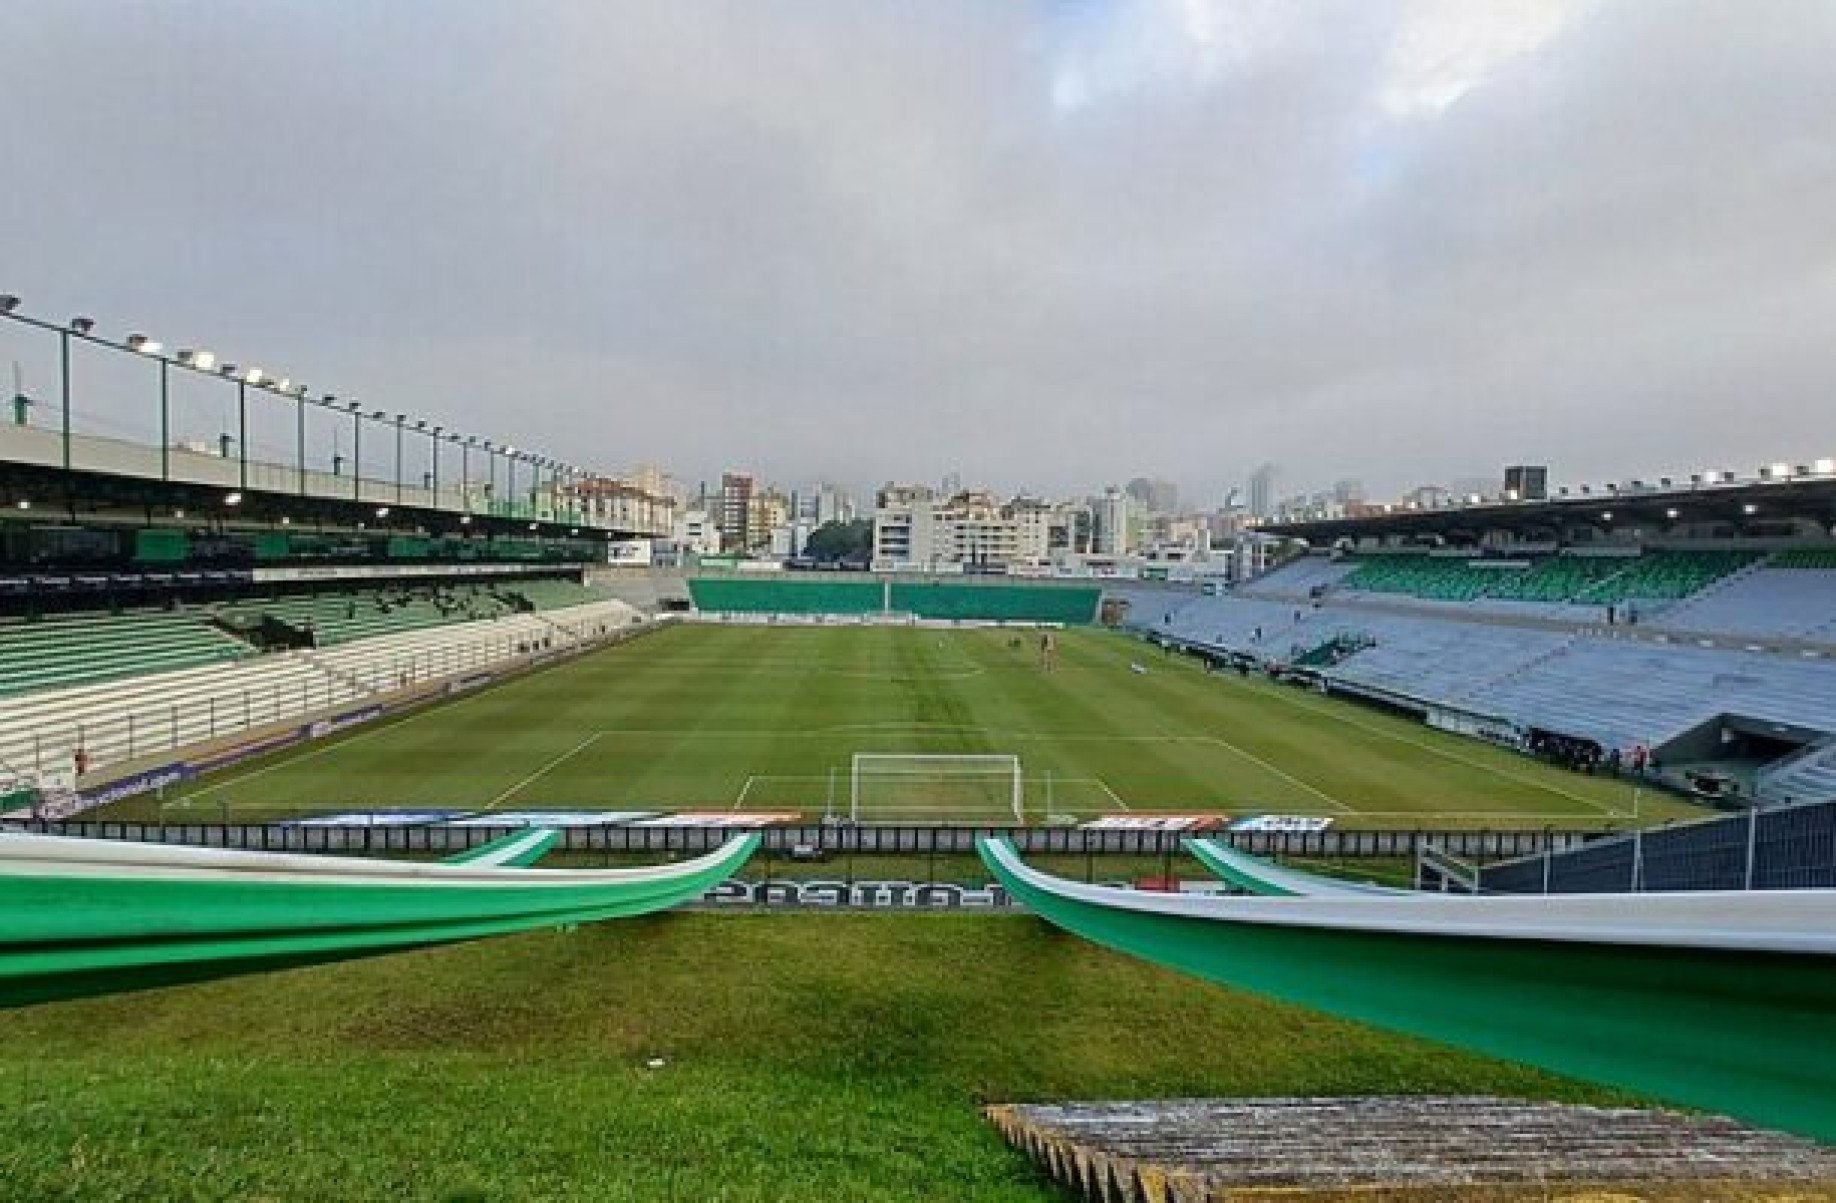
[572, 752]
[753, 779]
[1321, 794]
[917, 731]
[1113, 795]
[1448, 754]
[1540, 816]
[322, 750]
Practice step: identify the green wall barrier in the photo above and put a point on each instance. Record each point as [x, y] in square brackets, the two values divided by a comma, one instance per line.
[1069, 604]
[95, 917]
[1724, 1002]
[1255, 875]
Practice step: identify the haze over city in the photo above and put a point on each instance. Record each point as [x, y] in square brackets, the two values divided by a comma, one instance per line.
[1046, 247]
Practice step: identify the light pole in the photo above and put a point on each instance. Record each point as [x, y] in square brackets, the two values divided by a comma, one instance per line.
[433, 451]
[141, 344]
[465, 470]
[400, 419]
[80, 326]
[491, 478]
[356, 408]
[252, 376]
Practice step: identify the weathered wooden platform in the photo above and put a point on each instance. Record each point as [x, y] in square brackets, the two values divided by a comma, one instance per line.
[1409, 1149]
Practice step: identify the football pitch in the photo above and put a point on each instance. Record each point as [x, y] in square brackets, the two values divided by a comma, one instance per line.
[762, 719]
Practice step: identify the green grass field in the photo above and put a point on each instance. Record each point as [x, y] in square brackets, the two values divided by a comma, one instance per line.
[762, 719]
[820, 1057]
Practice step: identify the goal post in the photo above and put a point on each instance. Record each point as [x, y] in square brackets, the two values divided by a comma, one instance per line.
[935, 787]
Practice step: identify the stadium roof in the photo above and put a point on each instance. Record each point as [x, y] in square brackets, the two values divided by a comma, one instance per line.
[1746, 507]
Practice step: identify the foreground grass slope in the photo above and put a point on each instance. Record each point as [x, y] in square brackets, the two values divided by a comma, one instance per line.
[814, 1057]
[701, 717]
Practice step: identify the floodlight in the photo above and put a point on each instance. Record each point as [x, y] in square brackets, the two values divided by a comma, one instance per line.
[203, 361]
[227, 369]
[8, 302]
[382, 511]
[1749, 508]
[82, 325]
[253, 376]
[143, 344]
[232, 498]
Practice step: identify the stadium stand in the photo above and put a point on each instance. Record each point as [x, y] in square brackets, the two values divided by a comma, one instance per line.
[1572, 579]
[1623, 693]
[555, 595]
[327, 619]
[1573, 678]
[67, 650]
[1809, 774]
[166, 711]
[645, 591]
[1793, 597]
[1301, 575]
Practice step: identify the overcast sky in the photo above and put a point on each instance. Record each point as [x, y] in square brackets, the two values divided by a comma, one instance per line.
[1045, 246]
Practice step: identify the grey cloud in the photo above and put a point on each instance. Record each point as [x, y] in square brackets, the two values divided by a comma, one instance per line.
[864, 241]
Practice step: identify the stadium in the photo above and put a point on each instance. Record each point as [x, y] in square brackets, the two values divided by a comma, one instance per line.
[541, 760]
[213, 658]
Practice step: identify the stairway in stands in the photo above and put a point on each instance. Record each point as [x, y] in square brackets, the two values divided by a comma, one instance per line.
[1805, 776]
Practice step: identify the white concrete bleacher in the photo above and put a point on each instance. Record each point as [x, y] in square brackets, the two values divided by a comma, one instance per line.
[1626, 692]
[1810, 774]
[166, 712]
[1790, 603]
[126, 719]
[1620, 686]
[1299, 577]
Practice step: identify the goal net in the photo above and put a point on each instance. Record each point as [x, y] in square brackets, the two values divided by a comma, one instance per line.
[914, 788]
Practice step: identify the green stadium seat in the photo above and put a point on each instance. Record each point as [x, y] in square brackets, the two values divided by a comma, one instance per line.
[1575, 579]
[77, 649]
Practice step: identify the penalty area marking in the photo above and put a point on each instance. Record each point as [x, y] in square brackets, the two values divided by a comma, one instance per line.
[1321, 794]
[572, 752]
[1035, 788]
[1450, 754]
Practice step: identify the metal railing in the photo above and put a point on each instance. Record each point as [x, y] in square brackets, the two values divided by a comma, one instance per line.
[829, 839]
[1778, 848]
